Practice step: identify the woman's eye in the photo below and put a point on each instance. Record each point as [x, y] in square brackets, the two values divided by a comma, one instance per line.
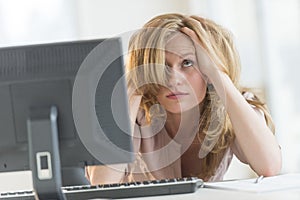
[187, 63]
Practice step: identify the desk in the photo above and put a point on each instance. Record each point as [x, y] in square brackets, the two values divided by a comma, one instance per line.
[208, 193]
[217, 194]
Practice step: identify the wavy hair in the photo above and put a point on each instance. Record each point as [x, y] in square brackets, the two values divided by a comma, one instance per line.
[146, 64]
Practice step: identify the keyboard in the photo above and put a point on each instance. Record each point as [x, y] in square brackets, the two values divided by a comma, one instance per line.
[119, 190]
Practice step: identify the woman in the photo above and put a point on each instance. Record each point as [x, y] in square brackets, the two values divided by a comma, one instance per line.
[190, 113]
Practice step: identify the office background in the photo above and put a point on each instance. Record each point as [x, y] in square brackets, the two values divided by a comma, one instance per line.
[267, 34]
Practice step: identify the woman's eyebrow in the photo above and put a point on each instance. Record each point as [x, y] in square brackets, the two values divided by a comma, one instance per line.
[188, 54]
[186, 51]
[183, 52]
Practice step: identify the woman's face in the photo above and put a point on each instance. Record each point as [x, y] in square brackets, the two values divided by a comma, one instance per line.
[186, 87]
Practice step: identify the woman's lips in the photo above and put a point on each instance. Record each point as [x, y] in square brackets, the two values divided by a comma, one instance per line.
[176, 95]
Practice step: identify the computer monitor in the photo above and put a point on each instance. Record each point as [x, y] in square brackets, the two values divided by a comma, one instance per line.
[63, 106]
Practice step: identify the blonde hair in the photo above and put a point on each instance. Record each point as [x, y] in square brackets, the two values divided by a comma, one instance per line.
[146, 64]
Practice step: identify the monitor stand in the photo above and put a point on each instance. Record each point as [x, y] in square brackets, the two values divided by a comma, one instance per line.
[44, 157]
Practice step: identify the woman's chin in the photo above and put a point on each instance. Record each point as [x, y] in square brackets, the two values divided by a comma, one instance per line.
[182, 109]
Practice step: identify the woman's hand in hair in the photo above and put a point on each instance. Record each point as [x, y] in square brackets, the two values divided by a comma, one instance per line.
[207, 60]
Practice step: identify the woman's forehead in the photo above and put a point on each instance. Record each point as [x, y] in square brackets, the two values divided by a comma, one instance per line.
[180, 43]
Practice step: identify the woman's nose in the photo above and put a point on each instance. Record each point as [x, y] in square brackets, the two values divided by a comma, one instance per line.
[175, 78]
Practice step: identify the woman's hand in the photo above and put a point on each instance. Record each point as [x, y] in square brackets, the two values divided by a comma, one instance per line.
[207, 60]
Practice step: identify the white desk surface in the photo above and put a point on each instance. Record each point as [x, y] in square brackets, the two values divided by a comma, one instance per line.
[201, 193]
[217, 194]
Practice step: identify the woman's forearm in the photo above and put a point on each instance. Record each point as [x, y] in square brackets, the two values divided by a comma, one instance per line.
[257, 142]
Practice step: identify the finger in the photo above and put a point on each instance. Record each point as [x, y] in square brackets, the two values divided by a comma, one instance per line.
[202, 54]
[204, 58]
[189, 32]
[194, 37]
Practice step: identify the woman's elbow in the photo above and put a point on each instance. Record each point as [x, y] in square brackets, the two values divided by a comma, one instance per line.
[273, 167]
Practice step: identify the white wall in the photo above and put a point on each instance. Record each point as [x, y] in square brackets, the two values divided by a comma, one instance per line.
[280, 31]
[35, 21]
[102, 18]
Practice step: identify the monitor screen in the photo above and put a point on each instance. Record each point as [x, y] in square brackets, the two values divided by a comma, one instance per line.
[69, 97]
